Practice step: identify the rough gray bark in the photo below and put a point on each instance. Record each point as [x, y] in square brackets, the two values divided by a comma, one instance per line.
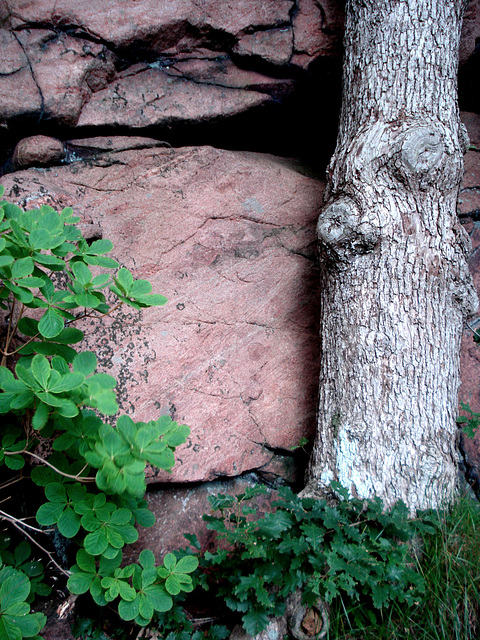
[396, 285]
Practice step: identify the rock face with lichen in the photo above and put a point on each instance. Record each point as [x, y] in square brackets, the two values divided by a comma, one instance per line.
[149, 63]
[114, 108]
[228, 238]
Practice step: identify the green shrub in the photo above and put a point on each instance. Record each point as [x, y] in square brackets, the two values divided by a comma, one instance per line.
[94, 479]
[354, 549]
[449, 608]
[16, 621]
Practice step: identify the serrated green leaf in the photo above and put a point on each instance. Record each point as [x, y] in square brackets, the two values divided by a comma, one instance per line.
[87, 300]
[106, 403]
[22, 400]
[41, 370]
[56, 492]
[99, 247]
[96, 542]
[101, 280]
[139, 288]
[152, 300]
[69, 335]
[6, 260]
[49, 513]
[101, 261]
[15, 462]
[85, 561]
[147, 558]
[255, 621]
[80, 582]
[169, 562]
[68, 382]
[82, 273]
[172, 585]
[159, 598]
[145, 607]
[41, 476]
[26, 376]
[6, 376]
[52, 262]
[178, 435]
[31, 282]
[144, 517]
[39, 239]
[128, 610]
[49, 349]
[9, 630]
[126, 591]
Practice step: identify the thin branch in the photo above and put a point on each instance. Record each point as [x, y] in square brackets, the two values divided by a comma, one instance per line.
[107, 313]
[77, 477]
[9, 329]
[9, 483]
[48, 553]
[12, 353]
[12, 519]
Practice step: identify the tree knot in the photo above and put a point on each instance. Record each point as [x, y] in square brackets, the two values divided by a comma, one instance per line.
[421, 157]
[344, 232]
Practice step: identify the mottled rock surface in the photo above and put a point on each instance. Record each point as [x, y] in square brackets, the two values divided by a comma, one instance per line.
[469, 211]
[38, 151]
[185, 506]
[228, 237]
[150, 63]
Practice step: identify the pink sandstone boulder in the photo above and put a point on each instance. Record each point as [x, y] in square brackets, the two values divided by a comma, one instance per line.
[54, 74]
[125, 23]
[470, 30]
[185, 506]
[469, 210]
[151, 96]
[228, 238]
[37, 151]
[274, 46]
[110, 62]
[146, 63]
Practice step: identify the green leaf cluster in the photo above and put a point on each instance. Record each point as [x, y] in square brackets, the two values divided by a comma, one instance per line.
[470, 423]
[122, 454]
[140, 589]
[20, 559]
[16, 621]
[50, 390]
[354, 549]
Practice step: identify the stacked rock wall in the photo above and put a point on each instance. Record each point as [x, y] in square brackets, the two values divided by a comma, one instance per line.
[156, 121]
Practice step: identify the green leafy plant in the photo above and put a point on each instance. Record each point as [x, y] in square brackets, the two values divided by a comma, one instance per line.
[353, 549]
[16, 621]
[51, 278]
[449, 562]
[20, 559]
[470, 422]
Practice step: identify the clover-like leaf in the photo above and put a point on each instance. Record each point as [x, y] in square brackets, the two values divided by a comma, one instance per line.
[51, 323]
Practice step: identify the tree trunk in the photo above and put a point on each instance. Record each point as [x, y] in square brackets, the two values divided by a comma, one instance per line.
[395, 283]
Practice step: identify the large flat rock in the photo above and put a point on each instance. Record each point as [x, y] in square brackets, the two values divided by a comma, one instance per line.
[228, 237]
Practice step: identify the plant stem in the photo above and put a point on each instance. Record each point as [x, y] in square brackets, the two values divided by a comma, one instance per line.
[43, 461]
[9, 335]
[12, 519]
[48, 553]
